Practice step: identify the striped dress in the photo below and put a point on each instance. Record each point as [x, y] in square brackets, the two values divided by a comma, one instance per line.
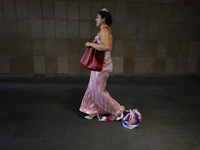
[97, 101]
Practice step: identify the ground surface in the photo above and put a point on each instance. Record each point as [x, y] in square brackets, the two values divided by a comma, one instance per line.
[41, 113]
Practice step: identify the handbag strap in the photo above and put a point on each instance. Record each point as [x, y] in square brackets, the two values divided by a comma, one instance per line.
[108, 30]
[91, 39]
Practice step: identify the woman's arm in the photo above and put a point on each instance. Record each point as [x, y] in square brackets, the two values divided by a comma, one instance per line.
[105, 46]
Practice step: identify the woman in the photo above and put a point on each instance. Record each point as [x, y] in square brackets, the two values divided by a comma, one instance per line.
[97, 100]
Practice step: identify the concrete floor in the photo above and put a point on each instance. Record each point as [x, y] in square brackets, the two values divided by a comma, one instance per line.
[41, 113]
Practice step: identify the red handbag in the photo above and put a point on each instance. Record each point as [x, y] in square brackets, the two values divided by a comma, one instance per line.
[92, 59]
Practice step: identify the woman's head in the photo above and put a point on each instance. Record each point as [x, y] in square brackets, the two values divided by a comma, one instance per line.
[104, 17]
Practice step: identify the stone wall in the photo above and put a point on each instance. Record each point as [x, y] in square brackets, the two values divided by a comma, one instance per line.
[151, 37]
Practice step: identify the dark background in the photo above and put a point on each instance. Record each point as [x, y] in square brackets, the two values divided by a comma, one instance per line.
[151, 37]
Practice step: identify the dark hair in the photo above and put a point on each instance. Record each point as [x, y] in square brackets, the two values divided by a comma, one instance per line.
[107, 15]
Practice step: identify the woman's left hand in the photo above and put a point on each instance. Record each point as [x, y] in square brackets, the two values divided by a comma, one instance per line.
[87, 44]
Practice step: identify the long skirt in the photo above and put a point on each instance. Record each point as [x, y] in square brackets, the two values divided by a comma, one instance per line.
[97, 101]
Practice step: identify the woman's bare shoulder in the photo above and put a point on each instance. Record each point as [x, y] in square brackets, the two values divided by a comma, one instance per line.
[104, 30]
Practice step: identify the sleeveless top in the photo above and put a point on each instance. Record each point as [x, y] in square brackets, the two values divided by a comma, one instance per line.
[107, 62]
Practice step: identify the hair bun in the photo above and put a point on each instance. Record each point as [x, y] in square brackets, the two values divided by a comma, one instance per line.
[104, 9]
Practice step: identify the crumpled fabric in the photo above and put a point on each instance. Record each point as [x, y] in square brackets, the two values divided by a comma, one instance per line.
[130, 120]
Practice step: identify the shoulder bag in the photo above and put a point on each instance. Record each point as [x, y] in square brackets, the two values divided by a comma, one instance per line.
[92, 58]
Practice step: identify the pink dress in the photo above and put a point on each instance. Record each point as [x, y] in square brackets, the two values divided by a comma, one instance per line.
[97, 100]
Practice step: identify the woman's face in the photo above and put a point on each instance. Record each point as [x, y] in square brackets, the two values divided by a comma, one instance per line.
[99, 21]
